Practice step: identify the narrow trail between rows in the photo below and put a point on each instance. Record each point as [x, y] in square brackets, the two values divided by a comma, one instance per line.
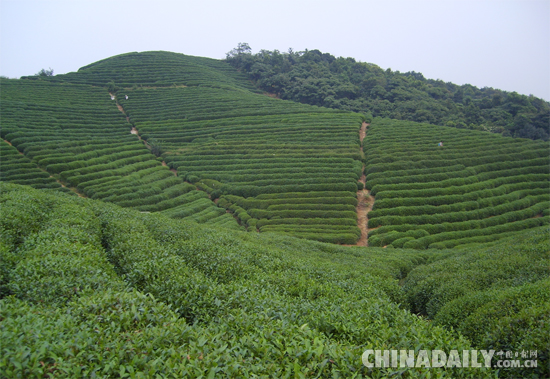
[135, 131]
[365, 200]
[51, 176]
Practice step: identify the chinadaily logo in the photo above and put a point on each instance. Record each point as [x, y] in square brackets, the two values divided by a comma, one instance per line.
[453, 358]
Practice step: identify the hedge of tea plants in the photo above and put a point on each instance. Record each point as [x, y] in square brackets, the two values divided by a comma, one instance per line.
[90, 289]
[497, 295]
[155, 69]
[76, 135]
[16, 168]
[441, 187]
[240, 147]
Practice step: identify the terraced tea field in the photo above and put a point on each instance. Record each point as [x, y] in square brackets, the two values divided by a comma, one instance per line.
[243, 159]
[276, 165]
[75, 134]
[476, 187]
[18, 169]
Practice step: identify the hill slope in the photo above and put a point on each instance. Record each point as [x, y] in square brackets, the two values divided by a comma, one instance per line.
[76, 134]
[440, 187]
[317, 78]
[89, 288]
[274, 165]
[224, 138]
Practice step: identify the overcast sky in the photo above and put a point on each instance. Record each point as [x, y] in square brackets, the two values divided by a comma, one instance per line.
[502, 44]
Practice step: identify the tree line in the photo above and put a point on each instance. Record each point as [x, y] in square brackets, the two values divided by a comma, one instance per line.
[317, 78]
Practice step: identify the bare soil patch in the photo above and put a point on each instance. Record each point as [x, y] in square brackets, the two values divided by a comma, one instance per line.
[363, 131]
[365, 200]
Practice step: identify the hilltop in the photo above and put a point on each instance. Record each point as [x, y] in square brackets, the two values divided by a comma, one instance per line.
[318, 78]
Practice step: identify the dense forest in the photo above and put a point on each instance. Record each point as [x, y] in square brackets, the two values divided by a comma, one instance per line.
[321, 79]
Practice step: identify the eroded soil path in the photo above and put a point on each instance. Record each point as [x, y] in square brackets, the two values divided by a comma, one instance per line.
[365, 200]
[135, 131]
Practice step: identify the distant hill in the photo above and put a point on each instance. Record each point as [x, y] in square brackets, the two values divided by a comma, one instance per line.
[317, 78]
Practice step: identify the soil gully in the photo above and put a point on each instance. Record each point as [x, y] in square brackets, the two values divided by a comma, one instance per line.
[364, 199]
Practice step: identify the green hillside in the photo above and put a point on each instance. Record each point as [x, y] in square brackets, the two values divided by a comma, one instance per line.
[476, 187]
[317, 78]
[75, 134]
[206, 122]
[274, 165]
[90, 289]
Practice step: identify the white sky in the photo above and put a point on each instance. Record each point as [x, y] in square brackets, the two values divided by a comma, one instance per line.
[502, 44]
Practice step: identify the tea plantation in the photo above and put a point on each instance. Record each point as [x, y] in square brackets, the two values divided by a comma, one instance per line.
[276, 165]
[76, 134]
[439, 187]
[91, 289]
[149, 209]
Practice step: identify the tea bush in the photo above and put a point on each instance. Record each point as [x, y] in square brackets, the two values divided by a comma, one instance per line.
[143, 295]
[74, 133]
[474, 188]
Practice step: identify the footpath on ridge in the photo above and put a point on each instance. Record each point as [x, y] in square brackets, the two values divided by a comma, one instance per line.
[364, 199]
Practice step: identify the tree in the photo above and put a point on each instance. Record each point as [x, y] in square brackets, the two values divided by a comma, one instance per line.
[321, 79]
[242, 48]
[45, 72]
[241, 57]
[111, 87]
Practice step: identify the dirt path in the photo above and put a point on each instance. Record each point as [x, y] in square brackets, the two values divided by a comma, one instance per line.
[121, 109]
[135, 131]
[9, 143]
[364, 199]
[363, 132]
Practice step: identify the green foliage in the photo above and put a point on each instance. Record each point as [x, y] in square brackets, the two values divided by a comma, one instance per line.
[317, 78]
[156, 147]
[160, 297]
[44, 72]
[496, 296]
[475, 188]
